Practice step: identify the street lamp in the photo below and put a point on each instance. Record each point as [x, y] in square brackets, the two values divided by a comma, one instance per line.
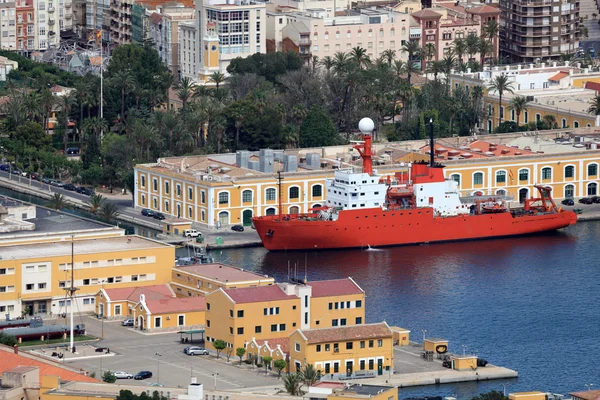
[215, 376]
[589, 386]
[102, 282]
[424, 332]
[464, 347]
[504, 389]
[158, 366]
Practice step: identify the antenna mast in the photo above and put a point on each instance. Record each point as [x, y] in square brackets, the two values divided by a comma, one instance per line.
[279, 179]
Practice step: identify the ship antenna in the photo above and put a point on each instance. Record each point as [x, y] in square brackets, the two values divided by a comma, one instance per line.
[431, 149]
[279, 179]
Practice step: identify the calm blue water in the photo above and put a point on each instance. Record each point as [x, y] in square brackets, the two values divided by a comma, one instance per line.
[529, 303]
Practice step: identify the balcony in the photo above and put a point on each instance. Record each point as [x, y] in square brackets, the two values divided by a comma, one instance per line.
[51, 9]
[51, 22]
[68, 5]
[304, 42]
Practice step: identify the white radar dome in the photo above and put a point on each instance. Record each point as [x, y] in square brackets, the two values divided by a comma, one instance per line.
[366, 125]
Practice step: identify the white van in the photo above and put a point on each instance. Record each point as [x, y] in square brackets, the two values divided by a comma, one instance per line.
[191, 233]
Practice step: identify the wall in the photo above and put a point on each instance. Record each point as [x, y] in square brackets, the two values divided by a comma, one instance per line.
[322, 317]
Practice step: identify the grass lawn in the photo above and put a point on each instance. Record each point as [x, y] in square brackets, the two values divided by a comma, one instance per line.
[82, 338]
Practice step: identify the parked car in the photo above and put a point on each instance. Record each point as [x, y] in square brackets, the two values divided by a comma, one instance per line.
[127, 322]
[159, 216]
[143, 375]
[237, 228]
[4, 167]
[195, 351]
[57, 183]
[147, 212]
[47, 181]
[84, 190]
[156, 384]
[568, 202]
[73, 150]
[595, 199]
[585, 200]
[34, 176]
[70, 186]
[191, 233]
[122, 375]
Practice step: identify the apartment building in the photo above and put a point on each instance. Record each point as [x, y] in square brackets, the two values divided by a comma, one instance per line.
[26, 27]
[201, 279]
[119, 303]
[539, 29]
[345, 350]
[34, 276]
[188, 50]
[8, 15]
[97, 15]
[271, 312]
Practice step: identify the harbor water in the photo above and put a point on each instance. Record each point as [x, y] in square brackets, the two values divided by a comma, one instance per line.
[527, 303]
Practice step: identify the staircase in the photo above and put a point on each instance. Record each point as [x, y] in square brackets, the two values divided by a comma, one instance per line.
[587, 8]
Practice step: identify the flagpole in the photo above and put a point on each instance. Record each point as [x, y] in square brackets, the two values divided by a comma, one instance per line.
[101, 88]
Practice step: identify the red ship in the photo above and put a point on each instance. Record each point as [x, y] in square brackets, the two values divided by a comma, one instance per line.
[365, 209]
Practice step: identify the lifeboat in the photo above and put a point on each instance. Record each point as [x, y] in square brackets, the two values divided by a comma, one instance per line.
[493, 208]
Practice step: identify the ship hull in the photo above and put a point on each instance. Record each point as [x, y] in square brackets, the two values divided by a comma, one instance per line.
[378, 228]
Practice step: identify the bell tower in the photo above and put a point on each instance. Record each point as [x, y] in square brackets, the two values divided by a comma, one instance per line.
[210, 52]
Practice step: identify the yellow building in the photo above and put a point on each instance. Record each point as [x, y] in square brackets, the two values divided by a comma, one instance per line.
[169, 313]
[269, 312]
[344, 350]
[277, 349]
[119, 303]
[200, 279]
[33, 277]
[360, 391]
[529, 396]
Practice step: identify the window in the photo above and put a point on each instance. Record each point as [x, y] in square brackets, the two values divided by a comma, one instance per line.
[362, 344]
[29, 286]
[155, 184]
[331, 306]
[294, 192]
[258, 329]
[358, 320]
[208, 306]
[281, 327]
[546, 173]
[166, 187]
[86, 302]
[343, 321]
[318, 348]
[203, 197]
[178, 190]
[456, 178]
[523, 174]
[317, 190]
[592, 169]
[297, 346]
[157, 322]
[271, 194]
[334, 322]
[327, 347]
[231, 330]
[142, 177]
[181, 320]
[274, 328]
[240, 331]
[358, 304]
[501, 177]
[478, 178]
[592, 189]
[223, 198]
[231, 313]
[564, 123]
[208, 323]
[240, 313]
[380, 343]
[348, 345]
[117, 309]
[190, 193]
[247, 196]
[569, 171]
[42, 285]
[370, 343]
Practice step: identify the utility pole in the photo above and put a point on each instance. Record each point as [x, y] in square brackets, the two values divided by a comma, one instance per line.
[71, 290]
[102, 86]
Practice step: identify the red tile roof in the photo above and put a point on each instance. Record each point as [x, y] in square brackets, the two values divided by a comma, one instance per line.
[588, 85]
[10, 360]
[352, 332]
[284, 343]
[335, 287]
[132, 293]
[258, 294]
[426, 13]
[172, 305]
[222, 273]
[484, 10]
[559, 76]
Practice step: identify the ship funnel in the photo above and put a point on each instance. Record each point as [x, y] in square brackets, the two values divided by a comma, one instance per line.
[366, 126]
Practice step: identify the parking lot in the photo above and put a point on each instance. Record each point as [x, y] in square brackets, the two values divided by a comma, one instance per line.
[134, 351]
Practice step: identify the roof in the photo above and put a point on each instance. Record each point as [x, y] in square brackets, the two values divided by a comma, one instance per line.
[426, 13]
[559, 76]
[222, 273]
[343, 333]
[486, 9]
[172, 305]
[9, 360]
[335, 287]
[593, 86]
[132, 293]
[258, 294]
[587, 395]
[283, 343]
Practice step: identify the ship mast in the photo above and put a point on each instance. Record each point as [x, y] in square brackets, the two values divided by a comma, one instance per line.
[366, 126]
[431, 144]
[280, 193]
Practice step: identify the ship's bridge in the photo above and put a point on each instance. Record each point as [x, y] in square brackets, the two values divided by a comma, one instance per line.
[351, 190]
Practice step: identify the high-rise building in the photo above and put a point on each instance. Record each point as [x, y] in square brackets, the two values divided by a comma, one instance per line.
[538, 29]
[164, 33]
[26, 34]
[7, 22]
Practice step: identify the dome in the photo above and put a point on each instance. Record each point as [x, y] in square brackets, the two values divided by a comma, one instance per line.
[366, 125]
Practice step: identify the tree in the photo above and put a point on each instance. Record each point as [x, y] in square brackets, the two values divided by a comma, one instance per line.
[267, 362]
[492, 395]
[217, 78]
[123, 81]
[128, 395]
[518, 104]
[279, 366]
[317, 129]
[57, 202]
[65, 103]
[460, 48]
[472, 45]
[594, 106]
[310, 375]
[240, 351]
[108, 211]
[292, 384]
[550, 121]
[327, 62]
[229, 353]
[360, 57]
[109, 377]
[412, 49]
[389, 56]
[185, 90]
[500, 84]
[95, 203]
[269, 65]
[219, 346]
[7, 339]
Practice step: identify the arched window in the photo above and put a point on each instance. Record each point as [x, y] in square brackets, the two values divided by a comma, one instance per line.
[294, 192]
[478, 178]
[564, 123]
[575, 124]
[271, 194]
[592, 169]
[523, 174]
[569, 191]
[247, 196]
[592, 189]
[569, 171]
[270, 211]
[294, 210]
[317, 190]
[456, 178]
[223, 198]
[501, 192]
[501, 177]
[546, 173]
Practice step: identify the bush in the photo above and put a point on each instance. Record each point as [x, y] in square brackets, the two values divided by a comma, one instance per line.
[109, 377]
[259, 365]
[249, 361]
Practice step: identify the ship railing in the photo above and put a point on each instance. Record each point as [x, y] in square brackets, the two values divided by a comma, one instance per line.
[472, 199]
[351, 375]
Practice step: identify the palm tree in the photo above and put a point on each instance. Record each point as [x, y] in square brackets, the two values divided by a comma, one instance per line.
[57, 202]
[124, 81]
[95, 203]
[429, 51]
[518, 104]
[398, 68]
[47, 102]
[360, 57]
[472, 45]
[340, 62]
[490, 30]
[435, 68]
[292, 383]
[594, 106]
[108, 211]
[315, 62]
[412, 49]
[500, 84]
[448, 64]
[550, 120]
[327, 62]
[485, 48]
[310, 375]
[185, 90]
[460, 48]
[389, 55]
[217, 78]
[65, 103]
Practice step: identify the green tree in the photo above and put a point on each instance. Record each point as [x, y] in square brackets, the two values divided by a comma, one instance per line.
[219, 346]
[7, 339]
[594, 107]
[269, 65]
[327, 63]
[292, 384]
[240, 351]
[389, 56]
[518, 104]
[310, 375]
[279, 366]
[129, 395]
[267, 362]
[95, 203]
[413, 50]
[317, 129]
[109, 377]
[359, 56]
[500, 84]
[217, 78]
[492, 395]
[108, 211]
[57, 202]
